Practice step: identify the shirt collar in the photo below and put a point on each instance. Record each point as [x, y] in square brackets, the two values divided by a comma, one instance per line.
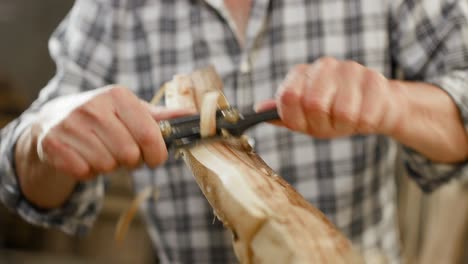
[256, 23]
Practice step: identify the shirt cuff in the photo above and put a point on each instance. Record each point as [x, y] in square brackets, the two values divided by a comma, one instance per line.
[428, 174]
[76, 216]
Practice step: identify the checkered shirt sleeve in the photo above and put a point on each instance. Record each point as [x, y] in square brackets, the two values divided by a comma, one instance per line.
[81, 49]
[430, 43]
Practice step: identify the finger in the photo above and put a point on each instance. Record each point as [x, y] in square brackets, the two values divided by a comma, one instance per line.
[83, 140]
[265, 105]
[110, 131]
[141, 125]
[163, 113]
[347, 103]
[64, 159]
[277, 123]
[289, 97]
[318, 98]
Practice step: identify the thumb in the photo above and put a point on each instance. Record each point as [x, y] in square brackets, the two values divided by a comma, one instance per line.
[267, 105]
[162, 113]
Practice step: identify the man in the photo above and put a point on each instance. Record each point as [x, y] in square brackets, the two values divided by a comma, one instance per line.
[334, 63]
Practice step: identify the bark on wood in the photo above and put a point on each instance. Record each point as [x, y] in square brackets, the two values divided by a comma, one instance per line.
[270, 221]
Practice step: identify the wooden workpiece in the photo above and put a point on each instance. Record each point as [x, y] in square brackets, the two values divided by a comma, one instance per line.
[270, 221]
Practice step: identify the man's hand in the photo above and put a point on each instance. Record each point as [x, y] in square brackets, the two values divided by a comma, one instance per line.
[80, 136]
[332, 98]
[114, 128]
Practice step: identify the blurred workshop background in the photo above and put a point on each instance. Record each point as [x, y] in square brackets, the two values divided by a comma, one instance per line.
[433, 227]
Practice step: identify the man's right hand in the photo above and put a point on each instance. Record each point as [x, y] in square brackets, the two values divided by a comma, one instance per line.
[80, 136]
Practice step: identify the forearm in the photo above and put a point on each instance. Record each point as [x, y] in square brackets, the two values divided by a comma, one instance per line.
[42, 185]
[432, 125]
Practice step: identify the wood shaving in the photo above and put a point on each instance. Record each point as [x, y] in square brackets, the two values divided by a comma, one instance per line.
[208, 114]
[127, 216]
[159, 94]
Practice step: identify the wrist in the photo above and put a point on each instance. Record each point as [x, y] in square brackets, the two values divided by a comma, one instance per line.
[397, 117]
[39, 183]
[429, 122]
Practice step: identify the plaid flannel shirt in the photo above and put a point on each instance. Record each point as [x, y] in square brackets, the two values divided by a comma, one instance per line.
[143, 43]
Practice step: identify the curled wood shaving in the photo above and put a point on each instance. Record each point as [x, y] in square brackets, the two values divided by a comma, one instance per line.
[127, 216]
[180, 93]
[159, 94]
[183, 91]
[208, 114]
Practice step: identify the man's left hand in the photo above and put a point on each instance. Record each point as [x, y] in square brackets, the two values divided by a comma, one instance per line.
[332, 98]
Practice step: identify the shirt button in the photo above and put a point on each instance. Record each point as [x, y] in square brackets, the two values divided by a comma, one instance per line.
[245, 66]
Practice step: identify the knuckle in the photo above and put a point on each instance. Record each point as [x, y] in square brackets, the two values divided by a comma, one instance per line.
[313, 104]
[49, 144]
[373, 80]
[298, 125]
[367, 122]
[146, 137]
[157, 157]
[88, 110]
[47, 141]
[350, 68]
[344, 115]
[162, 157]
[119, 92]
[352, 64]
[82, 172]
[108, 165]
[326, 62]
[295, 73]
[288, 96]
[299, 68]
[129, 155]
[290, 78]
[68, 124]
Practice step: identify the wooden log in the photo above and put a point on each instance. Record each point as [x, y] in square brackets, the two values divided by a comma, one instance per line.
[270, 221]
[446, 226]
